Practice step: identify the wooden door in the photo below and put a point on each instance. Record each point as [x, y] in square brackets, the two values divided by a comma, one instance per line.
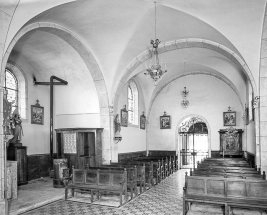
[86, 149]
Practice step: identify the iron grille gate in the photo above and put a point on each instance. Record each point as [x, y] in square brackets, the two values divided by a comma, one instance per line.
[189, 153]
[187, 158]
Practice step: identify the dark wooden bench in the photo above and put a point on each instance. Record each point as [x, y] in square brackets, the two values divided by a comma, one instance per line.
[141, 174]
[152, 170]
[226, 162]
[131, 177]
[206, 165]
[229, 170]
[97, 181]
[164, 169]
[242, 193]
[228, 175]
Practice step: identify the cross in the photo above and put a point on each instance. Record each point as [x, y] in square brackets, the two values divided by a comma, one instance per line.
[229, 108]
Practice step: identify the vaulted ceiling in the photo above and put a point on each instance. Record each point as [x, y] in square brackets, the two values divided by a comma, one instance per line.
[117, 31]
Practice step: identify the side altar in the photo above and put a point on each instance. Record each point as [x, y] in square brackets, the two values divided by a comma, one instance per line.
[231, 142]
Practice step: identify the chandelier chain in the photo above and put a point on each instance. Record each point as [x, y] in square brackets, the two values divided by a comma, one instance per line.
[155, 20]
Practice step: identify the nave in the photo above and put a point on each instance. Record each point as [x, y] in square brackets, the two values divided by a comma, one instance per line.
[164, 198]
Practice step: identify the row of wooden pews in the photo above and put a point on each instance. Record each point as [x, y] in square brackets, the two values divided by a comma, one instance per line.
[228, 169]
[230, 182]
[142, 173]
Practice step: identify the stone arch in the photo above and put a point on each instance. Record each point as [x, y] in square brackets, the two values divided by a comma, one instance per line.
[177, 143]
[220, 77]
[182, 44]
[89, 61]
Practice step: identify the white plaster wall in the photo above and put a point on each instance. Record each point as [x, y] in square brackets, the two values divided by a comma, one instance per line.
[75, 104]
[36, 137]
[133, 138]
[208, 97]
[251, 138]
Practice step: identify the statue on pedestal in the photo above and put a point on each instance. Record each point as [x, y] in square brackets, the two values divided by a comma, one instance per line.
[7, 108]
[16, 127]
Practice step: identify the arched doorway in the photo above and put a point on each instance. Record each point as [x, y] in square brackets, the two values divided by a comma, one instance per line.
[194, 144]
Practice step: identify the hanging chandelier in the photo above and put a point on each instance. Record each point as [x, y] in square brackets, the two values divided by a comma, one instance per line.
[155, 68]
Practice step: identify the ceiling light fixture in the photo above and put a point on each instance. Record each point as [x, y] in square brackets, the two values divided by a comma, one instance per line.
[154, 70]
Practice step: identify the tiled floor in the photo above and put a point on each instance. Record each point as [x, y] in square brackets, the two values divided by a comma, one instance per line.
[161, 199]
[35, 194]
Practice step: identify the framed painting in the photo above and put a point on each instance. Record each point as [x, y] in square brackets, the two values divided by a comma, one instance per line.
[229, 118]
[37, 114]
[165, 121]
[124, 117]
[143, 122]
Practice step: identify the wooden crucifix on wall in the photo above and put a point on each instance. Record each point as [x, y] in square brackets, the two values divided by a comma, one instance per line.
[51, 84]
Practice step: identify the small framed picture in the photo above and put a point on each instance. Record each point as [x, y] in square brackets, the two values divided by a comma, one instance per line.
[165, 121]
[37, 114]
[229, 118]
[124, 117]
[143, 121]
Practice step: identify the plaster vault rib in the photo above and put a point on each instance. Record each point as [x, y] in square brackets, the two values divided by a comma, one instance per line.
[89, 61]
[181, 44]
[223, 79]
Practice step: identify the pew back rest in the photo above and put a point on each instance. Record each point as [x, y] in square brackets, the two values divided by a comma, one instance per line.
[140, 169]
[114, 178]
[91, 176]
[78, 176]
[226, 187]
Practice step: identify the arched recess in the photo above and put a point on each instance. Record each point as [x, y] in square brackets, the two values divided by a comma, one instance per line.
[220, 77]
[177, 143]
[89, 61]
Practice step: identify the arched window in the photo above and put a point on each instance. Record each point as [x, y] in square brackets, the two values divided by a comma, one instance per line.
[11, 87]
[15, 84]
[132, 104]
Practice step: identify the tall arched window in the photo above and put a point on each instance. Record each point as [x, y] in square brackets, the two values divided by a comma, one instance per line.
[11, 86]
[15, 84]
[132, 103]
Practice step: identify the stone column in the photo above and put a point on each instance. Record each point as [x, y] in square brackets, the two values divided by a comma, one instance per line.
[261, 144]
[7, 10]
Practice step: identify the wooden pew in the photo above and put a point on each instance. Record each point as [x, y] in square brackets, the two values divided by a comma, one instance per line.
[204, 166]
[141, 174]
[228, 175]
[131, 177]
[152, 170]
[226, 162]
[163, 164]
[228, 192]
[229, 170]
[98, 181]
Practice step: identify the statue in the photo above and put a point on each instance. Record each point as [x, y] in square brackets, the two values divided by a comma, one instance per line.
[16, 127]
[7, 107]
[117, 125]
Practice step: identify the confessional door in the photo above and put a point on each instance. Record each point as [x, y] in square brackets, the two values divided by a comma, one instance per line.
[78, 146]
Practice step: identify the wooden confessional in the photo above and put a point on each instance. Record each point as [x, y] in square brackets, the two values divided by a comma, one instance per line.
[81, 146]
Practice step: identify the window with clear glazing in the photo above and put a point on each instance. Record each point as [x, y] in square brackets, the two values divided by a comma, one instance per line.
[11, 86]
[132, 104]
